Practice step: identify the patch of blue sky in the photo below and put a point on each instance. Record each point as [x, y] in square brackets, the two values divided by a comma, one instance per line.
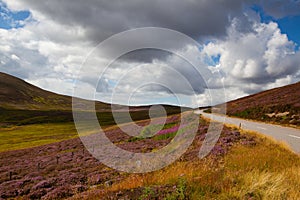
[263, 16]
[216, 59]
[209, 60]
[289, 25]
[112, 83]
[212, 60]
[12, 19]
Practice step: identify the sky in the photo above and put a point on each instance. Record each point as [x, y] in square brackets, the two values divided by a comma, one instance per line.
[240, 47]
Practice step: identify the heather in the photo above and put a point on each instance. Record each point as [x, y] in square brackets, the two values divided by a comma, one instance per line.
[279, 105]
[64, 169]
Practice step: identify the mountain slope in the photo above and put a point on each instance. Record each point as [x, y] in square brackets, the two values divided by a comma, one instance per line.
[280, 105]
[22, 103]
[18, 94]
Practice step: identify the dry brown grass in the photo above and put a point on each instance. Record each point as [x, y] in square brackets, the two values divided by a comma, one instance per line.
[170, 175]
[267, 170]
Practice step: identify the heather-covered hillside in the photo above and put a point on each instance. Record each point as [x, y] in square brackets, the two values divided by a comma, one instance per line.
[281, 105]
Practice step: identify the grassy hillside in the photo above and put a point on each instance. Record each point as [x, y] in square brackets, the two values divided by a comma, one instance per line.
[26, 117]
[16, 94]
[41, 156]
[22, 104]
[241, 166]
[280, 105]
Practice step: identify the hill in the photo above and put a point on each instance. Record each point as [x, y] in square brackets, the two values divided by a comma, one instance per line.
[280, 105]
[47, 160]
[22, 103]
[15, 93]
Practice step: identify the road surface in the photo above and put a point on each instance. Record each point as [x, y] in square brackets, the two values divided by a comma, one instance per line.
[290, 136]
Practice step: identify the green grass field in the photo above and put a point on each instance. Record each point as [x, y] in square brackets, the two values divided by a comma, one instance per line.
[106, 118]
[21, 137]
[25, 129]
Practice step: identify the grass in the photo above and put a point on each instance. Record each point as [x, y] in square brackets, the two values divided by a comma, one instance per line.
[165, 136]
[153, 129]
[259, 113]
[10, 117]
[267, 170]
[21, 137]
[26, 117]
[36, 128]
[20, 129]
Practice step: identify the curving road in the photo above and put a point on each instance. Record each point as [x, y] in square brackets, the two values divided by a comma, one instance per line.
[290, 136]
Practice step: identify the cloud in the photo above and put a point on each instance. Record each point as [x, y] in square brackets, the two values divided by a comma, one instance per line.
[259, 59]
[103, 18]
[9, 19]
[17, 59]
[29, 54]
[281, 8]
[248, 55]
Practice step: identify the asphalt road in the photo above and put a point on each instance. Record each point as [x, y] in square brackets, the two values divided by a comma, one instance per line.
[290, 136]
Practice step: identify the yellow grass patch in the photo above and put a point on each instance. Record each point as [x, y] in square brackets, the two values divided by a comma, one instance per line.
[267, 170]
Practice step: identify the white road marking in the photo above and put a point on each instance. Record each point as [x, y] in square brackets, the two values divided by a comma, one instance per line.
[294, 136]
[261, 128]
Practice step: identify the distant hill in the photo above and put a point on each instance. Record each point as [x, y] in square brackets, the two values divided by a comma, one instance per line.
[22, 103]
[280, 105]
[18, 94]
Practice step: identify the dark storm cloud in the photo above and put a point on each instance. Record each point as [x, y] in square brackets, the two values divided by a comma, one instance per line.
[103, 18]
[281, 8]
[145, 55]
[199, 19]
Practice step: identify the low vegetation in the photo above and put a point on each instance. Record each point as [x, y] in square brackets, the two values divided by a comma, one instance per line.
[48, 161]
[11, 117]
[22, 137]
[275, 114]
[279, 105]
[41, 156]
[258, 170]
